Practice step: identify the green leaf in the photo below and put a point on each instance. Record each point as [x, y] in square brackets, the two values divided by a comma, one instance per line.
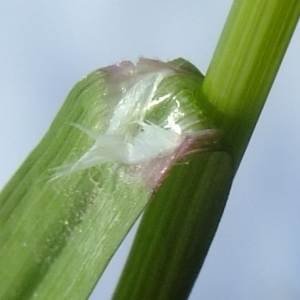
[57, 235]
[71, 203]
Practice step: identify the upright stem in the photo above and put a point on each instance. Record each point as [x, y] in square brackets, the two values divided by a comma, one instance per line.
[245, 64]
[165, 259]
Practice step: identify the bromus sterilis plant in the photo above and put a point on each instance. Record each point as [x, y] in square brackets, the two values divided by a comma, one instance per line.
[112, 147]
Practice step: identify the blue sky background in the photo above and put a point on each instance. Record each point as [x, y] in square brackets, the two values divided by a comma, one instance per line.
[46, 46]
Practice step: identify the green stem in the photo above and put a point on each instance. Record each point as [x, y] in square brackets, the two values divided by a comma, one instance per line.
[172, 241]
[176, 230]
[245, 64]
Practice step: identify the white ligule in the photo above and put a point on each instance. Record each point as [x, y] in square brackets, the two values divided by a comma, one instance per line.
[129, 138]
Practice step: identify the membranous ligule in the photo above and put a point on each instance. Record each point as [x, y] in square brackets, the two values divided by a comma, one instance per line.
[156, 116]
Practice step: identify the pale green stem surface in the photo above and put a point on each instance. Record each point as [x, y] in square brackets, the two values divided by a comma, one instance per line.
[243, 68]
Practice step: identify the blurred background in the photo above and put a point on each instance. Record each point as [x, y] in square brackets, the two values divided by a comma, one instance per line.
[46, 46]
